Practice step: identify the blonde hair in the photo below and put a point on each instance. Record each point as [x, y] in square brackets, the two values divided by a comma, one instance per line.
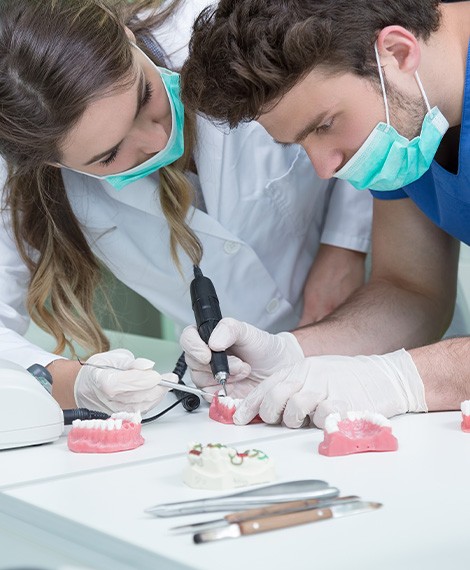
[45, 85]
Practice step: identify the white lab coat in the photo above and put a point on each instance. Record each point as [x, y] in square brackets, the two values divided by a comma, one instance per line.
[266, 215]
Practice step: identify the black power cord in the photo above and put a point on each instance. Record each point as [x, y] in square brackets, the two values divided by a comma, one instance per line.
[190, 402]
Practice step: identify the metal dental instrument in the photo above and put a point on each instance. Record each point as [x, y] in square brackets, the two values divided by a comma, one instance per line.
[263, 524]
[162, 382]
[257, 497]
[207, 313]
[184, 388]
[272, 510]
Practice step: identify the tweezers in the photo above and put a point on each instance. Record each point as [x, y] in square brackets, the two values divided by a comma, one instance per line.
[257, 497]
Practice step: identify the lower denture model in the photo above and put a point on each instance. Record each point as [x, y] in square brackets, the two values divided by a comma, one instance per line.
[223, 408]
[357, 433]
[465, 407]
[215, 466]
[121, 432]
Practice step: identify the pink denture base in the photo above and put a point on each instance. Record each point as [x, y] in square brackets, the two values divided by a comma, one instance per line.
[97, 440]
[465, 423]
[357, 436]
[224, 414]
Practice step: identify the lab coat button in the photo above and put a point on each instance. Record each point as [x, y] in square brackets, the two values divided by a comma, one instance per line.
[231, 247]
[272, 306]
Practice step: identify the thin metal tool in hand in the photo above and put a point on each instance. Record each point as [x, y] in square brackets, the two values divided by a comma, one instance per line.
[166, 383]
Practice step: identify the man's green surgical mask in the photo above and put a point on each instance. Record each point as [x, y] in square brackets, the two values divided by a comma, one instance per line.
[388, 160]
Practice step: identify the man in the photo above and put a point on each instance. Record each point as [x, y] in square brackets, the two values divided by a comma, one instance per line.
[375, 93]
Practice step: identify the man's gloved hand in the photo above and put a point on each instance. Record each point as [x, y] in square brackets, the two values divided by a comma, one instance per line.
[319, 385]
[132, 387]
[253, 354]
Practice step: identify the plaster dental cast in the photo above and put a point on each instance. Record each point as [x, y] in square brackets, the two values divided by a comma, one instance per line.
[102, 166]
[376, 93]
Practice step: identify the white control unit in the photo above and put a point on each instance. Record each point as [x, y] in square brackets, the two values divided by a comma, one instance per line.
[29, 415]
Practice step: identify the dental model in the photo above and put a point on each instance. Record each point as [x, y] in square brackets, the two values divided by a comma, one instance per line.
[120, 432]
[465, 407]
[223, 408]
[215, 466]
[357, 433]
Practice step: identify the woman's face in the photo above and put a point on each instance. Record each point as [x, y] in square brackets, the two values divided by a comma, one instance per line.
[123, 129]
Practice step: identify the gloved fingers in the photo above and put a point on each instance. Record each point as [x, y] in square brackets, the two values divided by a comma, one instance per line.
[301, 406]
[250, 406]
[202, 375]
[120, 358]
[142, 405]
[283, 385]
[143, 364]
[327, 407]
[128, 382]
[170, 377]
[227, 333]
[194, 346]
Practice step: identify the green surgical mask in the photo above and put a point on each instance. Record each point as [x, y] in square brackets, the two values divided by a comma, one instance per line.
[388, 160]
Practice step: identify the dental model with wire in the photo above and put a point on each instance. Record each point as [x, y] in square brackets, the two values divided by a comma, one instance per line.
[217, 466]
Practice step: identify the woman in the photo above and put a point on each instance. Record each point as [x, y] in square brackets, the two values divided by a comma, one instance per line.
[96, 172]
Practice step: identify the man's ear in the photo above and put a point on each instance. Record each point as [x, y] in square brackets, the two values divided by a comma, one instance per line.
[398, 47]
[130, 34]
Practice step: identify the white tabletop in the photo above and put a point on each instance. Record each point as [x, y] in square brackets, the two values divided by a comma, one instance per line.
[423, 487]
[165, 437]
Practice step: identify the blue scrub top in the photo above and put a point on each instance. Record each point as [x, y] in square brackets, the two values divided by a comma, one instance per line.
[445, 197]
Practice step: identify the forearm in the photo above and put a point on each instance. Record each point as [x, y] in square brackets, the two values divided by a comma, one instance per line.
[380, 317]
[64, 372]
[444, 368]
[335, 274]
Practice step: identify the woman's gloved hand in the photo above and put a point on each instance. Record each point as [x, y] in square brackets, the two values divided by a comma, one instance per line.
[319, 385]
[253, 354]
[129, 385]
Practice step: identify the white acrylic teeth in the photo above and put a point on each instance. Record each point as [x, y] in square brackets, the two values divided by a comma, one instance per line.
[331, 422]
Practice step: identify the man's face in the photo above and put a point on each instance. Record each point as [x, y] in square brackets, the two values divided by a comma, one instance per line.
[332, 115]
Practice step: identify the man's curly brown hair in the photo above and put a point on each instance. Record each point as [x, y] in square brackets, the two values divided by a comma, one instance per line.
[246, 54]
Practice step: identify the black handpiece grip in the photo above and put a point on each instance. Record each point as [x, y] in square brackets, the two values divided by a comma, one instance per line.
[207, 313]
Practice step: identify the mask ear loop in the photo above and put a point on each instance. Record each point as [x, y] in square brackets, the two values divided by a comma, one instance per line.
[423, 92]
[382, 83]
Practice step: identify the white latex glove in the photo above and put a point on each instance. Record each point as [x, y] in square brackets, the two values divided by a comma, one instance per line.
[253, 355]
[319, 385]
[133, 387]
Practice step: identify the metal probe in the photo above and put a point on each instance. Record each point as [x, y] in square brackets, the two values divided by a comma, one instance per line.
[207, 313]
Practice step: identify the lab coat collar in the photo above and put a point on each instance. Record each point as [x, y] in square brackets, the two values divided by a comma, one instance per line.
[143, 195]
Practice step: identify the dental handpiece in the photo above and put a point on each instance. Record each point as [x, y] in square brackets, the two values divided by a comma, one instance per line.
[207, 313]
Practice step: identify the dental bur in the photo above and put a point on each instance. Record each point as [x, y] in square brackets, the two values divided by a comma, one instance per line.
[207, 313]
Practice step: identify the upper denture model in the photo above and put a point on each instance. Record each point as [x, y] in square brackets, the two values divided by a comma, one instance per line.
[357, 433]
